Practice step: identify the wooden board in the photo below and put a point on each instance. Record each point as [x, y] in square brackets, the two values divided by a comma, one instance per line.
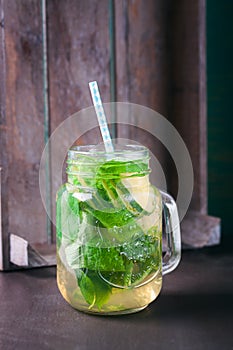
[188, 89]
[141, 51]
[78, 52]
[160, 63]
[142, 64]
[21, 121]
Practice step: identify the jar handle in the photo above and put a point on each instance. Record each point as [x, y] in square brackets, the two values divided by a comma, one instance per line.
[171, 234]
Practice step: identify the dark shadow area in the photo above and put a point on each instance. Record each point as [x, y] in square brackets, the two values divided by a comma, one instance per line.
[34, 272]
[194, 306]
[185, 307]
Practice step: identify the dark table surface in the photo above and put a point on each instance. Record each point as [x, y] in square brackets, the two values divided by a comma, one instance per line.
[193, 311]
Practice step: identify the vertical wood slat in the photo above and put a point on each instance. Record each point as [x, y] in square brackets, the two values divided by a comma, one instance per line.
[96, 55]
[46, 117]
[2, 248]
[78, 51]
[112, 50]
[142, 64]
[188, 89]
[161, 64]
[112, 59]
[21, 121]
[4, 253]
[142, 53]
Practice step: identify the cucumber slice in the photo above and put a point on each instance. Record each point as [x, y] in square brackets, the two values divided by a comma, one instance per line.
[154, 219]
[137, 195]
[131, 205]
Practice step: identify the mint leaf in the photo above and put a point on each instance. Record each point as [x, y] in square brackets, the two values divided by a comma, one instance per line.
[103, 259]
[60, 192]
[87, 288]
[102, 289]
[141, 248]
[73, 204]
[94, 290]
[108, 218]
[141, 256]
[115, 169]
[68, 217]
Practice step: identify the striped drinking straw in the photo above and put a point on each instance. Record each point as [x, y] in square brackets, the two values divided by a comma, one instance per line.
[99, 109]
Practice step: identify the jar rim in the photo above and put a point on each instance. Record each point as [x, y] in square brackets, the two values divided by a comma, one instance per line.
[126, 151]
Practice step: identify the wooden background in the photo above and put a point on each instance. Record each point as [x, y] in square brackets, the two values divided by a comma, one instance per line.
[152, 55]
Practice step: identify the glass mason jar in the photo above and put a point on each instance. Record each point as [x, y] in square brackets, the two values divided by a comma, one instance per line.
[110, 256]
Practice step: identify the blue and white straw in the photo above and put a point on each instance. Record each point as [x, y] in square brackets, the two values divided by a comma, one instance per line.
[99, 109]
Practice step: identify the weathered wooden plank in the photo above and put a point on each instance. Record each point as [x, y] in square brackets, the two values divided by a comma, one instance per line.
[78, 51]
[187, 48]
[21, 120]
[2, 248]
[142, 57]
[161, 64]
[142, 64]
[188, 89]
[4, 253]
